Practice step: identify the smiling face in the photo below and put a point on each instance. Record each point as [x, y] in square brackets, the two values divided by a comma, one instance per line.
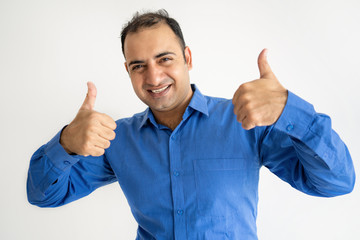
[157, 68]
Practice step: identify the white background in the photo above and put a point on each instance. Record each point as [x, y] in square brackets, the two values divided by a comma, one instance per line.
[50, 49]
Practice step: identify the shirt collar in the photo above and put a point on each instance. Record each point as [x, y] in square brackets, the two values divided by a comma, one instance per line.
[198, 103]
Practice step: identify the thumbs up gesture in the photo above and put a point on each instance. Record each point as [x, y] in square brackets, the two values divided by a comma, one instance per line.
[90, 132]
[260, 102]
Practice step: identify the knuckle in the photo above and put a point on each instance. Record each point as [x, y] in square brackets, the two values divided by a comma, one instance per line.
[247, 106]
[238, 118]
[90, 129]
[87, 146]
[246, 109]
[245, 126]
[103, 115]
[242, 87]
[245, 86]
[251, 118]
[100, 152]
[87, 136]
[255, 117]
[248, 125]
[84, 150]
[93, 116]
[246, 97]
[236, 105]
[112, 123]
[97, 152]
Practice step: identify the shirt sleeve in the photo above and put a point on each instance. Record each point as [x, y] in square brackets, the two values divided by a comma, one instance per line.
[302, 149]
[56, 178]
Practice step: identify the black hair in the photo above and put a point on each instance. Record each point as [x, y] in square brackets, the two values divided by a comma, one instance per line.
[149, 19]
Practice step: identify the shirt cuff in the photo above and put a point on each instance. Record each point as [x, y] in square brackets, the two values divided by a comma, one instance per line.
[296, 118]
[57, 154]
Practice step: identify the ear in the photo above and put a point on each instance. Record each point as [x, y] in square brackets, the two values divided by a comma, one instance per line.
[126, 67]
[188, 57]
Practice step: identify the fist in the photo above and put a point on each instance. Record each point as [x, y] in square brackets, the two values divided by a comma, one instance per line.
[260, 102]
[90, 132]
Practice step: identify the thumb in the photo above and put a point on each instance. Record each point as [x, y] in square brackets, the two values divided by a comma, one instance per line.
[264, 67]
[89, 101]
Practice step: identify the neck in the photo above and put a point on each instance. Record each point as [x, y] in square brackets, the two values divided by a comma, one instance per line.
[172, 118]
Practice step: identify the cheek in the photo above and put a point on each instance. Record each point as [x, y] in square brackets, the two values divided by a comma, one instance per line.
[136, 83]
[179, 74]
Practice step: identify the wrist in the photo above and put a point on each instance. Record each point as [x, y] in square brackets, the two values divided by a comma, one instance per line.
[63, 137]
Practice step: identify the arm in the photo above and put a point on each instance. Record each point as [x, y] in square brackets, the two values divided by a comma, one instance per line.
[73, 163]
[302, 149]
[298, 144]
[56, 178]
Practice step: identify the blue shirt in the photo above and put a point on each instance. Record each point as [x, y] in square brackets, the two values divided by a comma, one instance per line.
[199, 181]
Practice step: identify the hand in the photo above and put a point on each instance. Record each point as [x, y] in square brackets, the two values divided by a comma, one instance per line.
[90, 132]
[260, 102]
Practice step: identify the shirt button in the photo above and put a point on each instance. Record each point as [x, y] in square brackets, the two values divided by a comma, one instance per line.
[180, 212]
[176, 173]
[290, 127]
[66, 162]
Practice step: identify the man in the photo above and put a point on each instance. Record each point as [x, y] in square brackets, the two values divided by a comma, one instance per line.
[189, 165]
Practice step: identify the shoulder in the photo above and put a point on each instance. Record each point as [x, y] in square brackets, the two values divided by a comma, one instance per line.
[218, 104]
[131, 123]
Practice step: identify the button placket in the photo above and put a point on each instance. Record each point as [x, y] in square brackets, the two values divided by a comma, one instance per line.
[177, 185]
[180, 212]
[176, 173]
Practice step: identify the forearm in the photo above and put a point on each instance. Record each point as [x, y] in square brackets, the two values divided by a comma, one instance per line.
[315, 159]
[328, 172]
[56, 178]
[47, 165]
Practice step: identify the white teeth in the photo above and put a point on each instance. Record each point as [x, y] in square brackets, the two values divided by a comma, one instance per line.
[159, 90]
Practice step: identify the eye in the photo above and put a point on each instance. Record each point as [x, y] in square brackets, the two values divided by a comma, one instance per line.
[136, 67]
[165, 59]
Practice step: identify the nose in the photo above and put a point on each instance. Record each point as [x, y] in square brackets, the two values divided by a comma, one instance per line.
[154, 75]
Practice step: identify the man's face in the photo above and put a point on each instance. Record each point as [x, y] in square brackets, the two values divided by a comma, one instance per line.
[155, 63]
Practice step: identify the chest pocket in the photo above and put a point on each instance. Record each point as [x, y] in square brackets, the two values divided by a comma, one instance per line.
[225, 186]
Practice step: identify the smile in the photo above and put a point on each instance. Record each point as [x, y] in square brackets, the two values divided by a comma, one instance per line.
[159, 90]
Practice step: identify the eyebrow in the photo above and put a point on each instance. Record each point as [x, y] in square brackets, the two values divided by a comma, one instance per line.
[164, 54]
[135, 62]
[156, 56]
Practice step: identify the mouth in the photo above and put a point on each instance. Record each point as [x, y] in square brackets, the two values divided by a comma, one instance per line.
[156, 93]
[160, 90]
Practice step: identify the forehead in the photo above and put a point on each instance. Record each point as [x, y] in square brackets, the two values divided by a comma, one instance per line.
[150, 41]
